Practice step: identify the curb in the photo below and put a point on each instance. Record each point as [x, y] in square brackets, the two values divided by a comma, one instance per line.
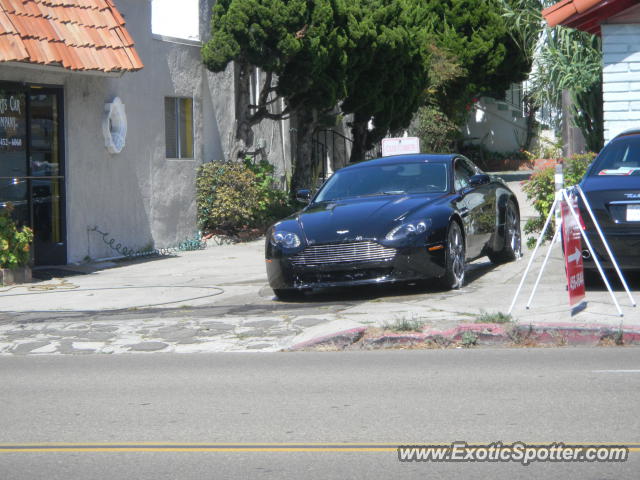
[559, 334]
[340, 339]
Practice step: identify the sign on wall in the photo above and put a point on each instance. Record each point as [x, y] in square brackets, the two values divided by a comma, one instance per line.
[400, 146]
[12, 122]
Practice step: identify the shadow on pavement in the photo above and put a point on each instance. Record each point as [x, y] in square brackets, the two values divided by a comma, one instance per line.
[475, 271]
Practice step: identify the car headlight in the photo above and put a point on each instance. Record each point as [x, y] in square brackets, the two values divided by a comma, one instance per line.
[285, 239]
[409, 230]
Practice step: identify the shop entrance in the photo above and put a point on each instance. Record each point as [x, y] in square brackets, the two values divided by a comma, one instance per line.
[32, 165]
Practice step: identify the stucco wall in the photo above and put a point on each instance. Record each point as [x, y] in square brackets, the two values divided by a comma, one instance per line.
[496, 125]
[621, 78]
[139, 196]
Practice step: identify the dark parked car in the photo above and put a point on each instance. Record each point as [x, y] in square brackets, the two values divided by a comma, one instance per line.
[401, 218]
[612, 187]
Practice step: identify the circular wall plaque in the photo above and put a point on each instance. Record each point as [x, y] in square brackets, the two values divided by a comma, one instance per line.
[114, 125]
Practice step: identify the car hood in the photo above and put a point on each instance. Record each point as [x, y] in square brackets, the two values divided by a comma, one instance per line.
[356, 219]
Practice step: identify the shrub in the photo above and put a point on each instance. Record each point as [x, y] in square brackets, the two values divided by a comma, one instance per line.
[273, 203]
[541, 189]
[237, 196]
[436, 131]
[491, 161]
[15, 244]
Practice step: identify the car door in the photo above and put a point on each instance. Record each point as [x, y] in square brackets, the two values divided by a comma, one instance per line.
[483, 199]
[462, 185]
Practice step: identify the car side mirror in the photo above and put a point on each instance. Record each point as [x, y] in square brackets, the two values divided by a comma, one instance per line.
[303, 196]
[479, 179]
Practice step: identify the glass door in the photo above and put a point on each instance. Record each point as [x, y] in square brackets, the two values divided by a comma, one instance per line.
[32, 166]
[46, 176]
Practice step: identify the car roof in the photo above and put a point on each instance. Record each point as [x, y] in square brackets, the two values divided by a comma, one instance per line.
[630, 131]
[408, 158]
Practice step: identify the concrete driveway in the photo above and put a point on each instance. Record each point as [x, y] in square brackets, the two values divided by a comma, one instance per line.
[218, 300]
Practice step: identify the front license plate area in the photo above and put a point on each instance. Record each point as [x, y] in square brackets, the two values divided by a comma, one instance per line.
[633, 213]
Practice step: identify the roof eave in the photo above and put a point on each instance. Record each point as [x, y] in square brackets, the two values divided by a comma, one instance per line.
[57, 68]
[585, 15]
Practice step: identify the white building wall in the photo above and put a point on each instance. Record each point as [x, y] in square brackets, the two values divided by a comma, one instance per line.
[497, 125]
[139, 196]
[621, 78]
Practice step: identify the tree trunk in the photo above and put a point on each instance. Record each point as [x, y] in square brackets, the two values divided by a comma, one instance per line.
[531, 112]
[359, 132]
[572, 136]
[305, 166]
[244, 133]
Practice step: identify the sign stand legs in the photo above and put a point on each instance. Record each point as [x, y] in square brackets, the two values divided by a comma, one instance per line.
[606, 245]
[563, 196]
[538, 243]
[595, 257]
[544, 264]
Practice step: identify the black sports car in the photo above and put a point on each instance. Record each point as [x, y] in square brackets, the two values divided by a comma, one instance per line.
[401, 218]
[612, 187]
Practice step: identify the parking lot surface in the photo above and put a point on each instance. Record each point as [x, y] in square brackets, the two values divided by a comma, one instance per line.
[218, 299]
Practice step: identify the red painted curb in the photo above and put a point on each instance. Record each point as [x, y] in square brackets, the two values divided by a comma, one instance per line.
[489, 334]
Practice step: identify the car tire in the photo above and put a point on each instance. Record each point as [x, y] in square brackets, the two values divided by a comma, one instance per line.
[454, 258]
[512, 247]
[288, 294]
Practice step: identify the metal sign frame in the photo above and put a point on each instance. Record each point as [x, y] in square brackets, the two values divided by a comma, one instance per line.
[564, 194]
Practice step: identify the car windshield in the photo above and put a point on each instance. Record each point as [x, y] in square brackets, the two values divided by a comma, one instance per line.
[390, 179]
[621, 157]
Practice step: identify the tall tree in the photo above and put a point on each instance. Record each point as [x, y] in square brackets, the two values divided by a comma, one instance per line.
[369, 57]
[477, 34]
[300, 45]
[389, 73]
[410, 43]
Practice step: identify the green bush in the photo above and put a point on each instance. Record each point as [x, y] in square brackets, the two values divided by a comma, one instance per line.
[273, 203]
[540, 188]
[238, 196]
[15, 244]
[437, 133]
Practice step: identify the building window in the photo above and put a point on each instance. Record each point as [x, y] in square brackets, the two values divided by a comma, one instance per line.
[176, 19]
[178, 127]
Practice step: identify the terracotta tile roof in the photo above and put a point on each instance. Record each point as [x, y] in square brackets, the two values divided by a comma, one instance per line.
[584, 15]
[74, 34]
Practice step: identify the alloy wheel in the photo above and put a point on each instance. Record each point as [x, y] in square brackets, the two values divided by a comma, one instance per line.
[456, 255]
[514, 236]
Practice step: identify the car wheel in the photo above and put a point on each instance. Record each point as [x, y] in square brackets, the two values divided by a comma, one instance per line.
[512, 247]
[454, 258]
[287, 294]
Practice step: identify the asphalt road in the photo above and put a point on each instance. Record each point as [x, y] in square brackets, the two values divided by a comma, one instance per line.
[390, 397]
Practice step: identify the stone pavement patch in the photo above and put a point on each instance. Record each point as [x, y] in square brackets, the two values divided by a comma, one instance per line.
[262, 323]
[309, 322]
[149, 346]
[25, 348]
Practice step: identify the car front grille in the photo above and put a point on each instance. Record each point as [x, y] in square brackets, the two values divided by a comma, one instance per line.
[343, 253]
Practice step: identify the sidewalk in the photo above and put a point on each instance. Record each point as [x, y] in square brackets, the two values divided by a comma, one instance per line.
[218, 299]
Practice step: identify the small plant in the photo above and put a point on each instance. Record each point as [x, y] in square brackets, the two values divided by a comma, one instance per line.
[497, 317]
[15, 244]
[469, 339]
[405, 325]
